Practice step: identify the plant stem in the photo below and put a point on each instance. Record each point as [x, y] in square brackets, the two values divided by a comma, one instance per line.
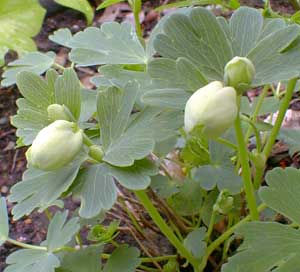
[224, 237]
[246, 172]
[23, 245]
[282, 111]
[146, 259]
[165, 229]
[138, 27]
[211, 225]
[295, 4]
[226, 142]
[87, 141]
[58, 66]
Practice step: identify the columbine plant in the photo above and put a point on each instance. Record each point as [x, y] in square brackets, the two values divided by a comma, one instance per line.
[83, 142]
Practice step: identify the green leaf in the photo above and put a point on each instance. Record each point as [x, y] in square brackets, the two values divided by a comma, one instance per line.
[166, 98]
[124, 258]
[107, 3]
[221, 154]
[32, 113]
[269, 105]
[80, 5]
[282, 192]
[291, 137]
[83, 260]
[31, 260]
[195, 152]
[138, 141]
[97, 190]
[167, 73]
[187, 36]
[61, 36]
[163, 186]
[20, 20]
[135, 177]
[68, 91]
[245, 27]
[61, 232]
[35, 90]
[114, 109]
[269, 52]
[126, 142]
[190, 73]
[113, 43]
[207, 207]
[4, 227]
[195, 243]
[34, 62]
[209, 43]
[267, 246]
[88, 105]
[221, 176]
[39, 189]
[188, 200]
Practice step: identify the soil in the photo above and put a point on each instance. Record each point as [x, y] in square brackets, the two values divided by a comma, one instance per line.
[32, 229]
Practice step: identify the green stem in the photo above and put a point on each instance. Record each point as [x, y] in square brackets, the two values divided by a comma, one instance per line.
[257, 177]
[48, 214]
[295, 4]
[211, 225]
[23, 245]
[58, 66]
[215, 244]
[87, 141]
[282, 111]
[255, 130]
[226, 142]
[165, 229]
[257, 109]
[147, 259]
[246, 172]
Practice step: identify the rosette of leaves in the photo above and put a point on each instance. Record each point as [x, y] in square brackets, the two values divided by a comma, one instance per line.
[126, 140]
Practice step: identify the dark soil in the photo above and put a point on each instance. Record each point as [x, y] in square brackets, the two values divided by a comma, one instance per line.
[32, 229]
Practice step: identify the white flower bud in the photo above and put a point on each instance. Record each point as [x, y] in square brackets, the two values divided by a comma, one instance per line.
[213, 107]
[57, 112]
[239, 73]
[55, 145]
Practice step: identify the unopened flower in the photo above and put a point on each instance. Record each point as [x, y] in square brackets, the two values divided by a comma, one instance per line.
[55, 145]
[213, 109]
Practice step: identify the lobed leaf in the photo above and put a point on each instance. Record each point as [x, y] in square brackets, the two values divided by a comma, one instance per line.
[68, 91]
[124, 141]
[97, 189]
[83, 260]
[40, 189]
[282, 192]
[34, 62]
[195, 242]
[209, 43]
[267, 246]
[31, 260]
[222, 176]
[113, 43]
[60, 232]
[124, 258]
